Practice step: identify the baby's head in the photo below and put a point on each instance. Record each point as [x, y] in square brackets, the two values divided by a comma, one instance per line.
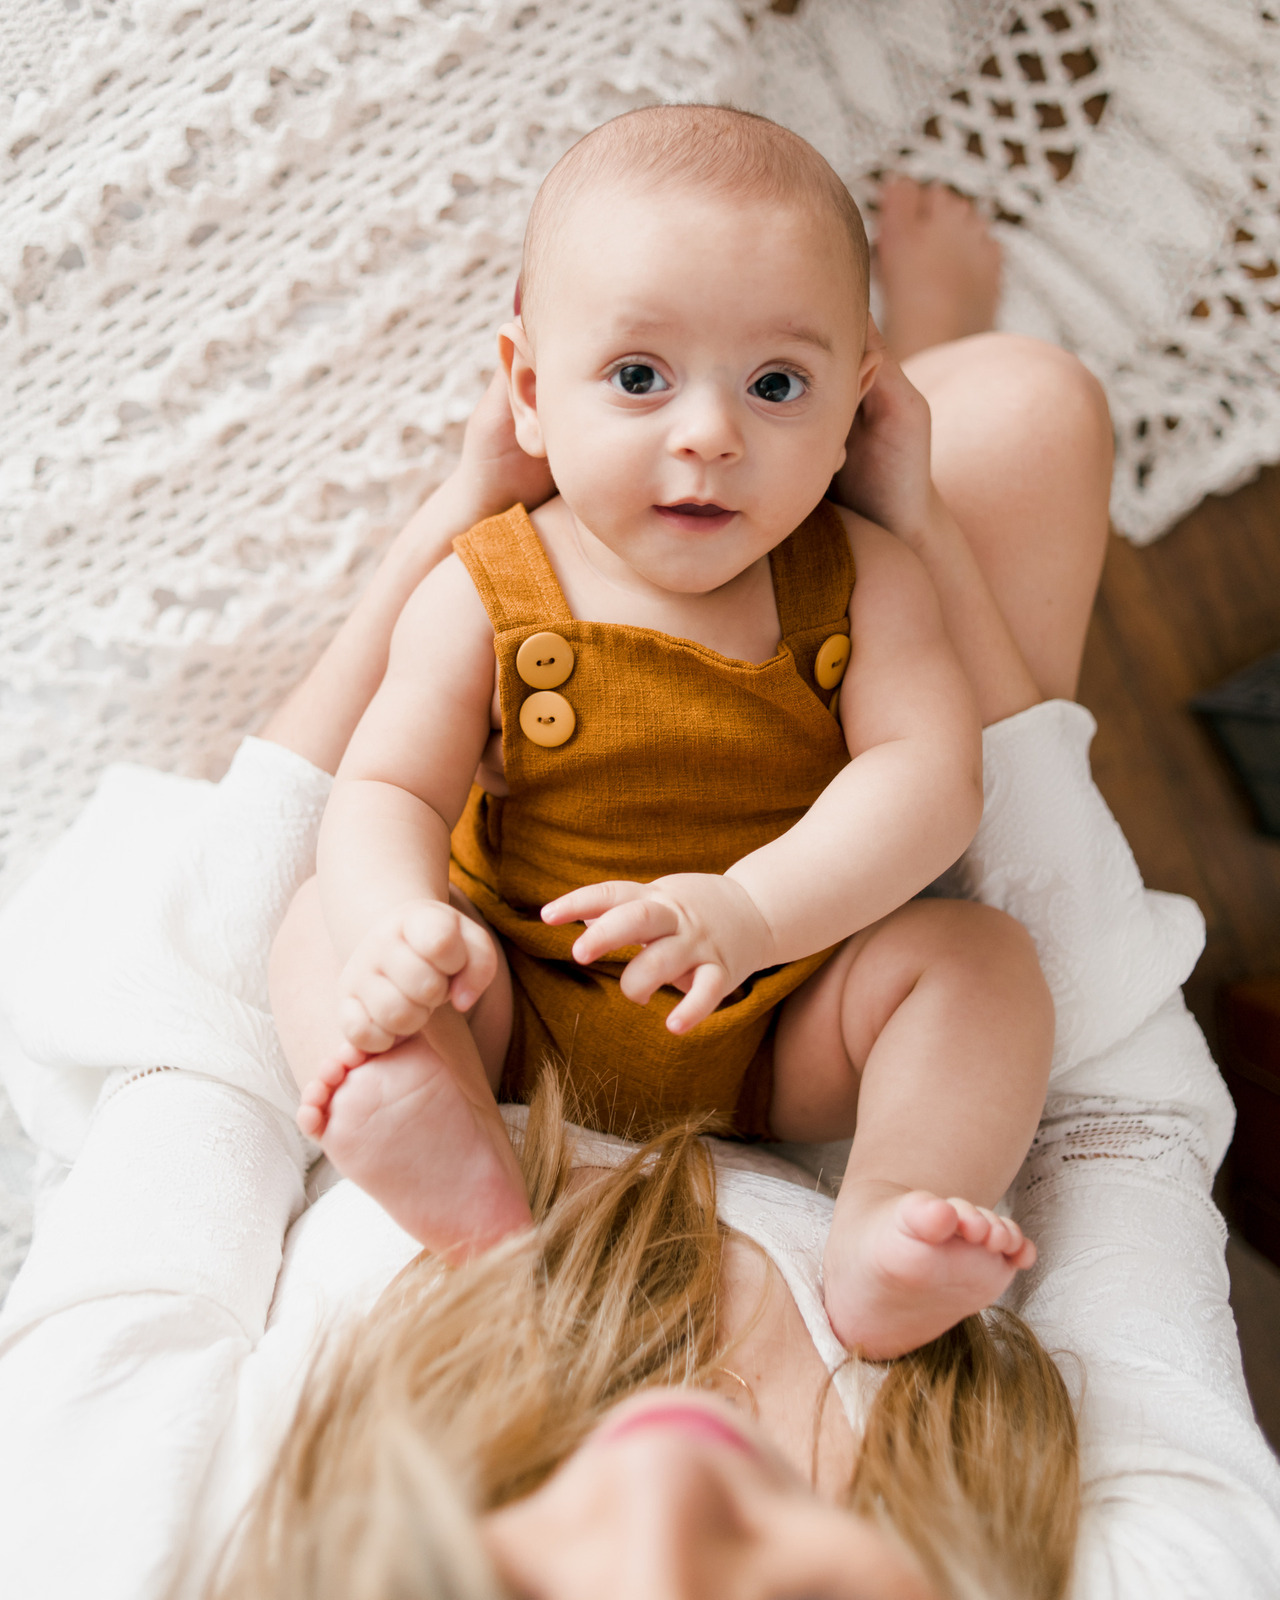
[693, 329]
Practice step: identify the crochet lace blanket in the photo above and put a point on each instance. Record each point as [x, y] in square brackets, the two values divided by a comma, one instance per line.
[253, 253]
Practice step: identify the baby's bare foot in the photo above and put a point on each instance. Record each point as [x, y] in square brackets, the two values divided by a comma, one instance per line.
[903, 1266]
[937, 265]
[436, 1158]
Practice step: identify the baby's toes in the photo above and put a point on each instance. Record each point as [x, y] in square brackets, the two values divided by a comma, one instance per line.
[973, 1223]
[926, 1217]
[1005, 1235]
[313, 1111]
[334, 1070]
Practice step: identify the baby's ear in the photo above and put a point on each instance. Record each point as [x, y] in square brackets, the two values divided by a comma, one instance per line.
[522, 386]
[872, 360]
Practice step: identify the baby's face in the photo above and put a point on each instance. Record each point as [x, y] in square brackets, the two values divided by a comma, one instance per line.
[694, 368]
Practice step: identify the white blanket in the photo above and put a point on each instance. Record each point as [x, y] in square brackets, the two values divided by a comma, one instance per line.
[141, 1372]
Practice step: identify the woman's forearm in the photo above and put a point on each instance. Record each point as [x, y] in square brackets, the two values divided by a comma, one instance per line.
[998, 674]
[319, 717]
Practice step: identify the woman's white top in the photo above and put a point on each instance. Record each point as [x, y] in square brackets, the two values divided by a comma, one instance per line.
[151, 1348]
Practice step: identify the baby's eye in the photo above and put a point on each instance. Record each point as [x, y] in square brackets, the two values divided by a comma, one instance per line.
[778, 386]
[637, 378]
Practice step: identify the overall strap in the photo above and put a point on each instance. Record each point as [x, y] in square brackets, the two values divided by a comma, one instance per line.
[813, 573]
[511, 573]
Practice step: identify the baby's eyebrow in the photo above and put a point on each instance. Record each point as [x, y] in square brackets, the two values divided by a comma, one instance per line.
[807, 336]
[638, 327]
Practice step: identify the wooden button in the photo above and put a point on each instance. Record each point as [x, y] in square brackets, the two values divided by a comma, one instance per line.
[547, 718]
[833, 658]
[544, 660]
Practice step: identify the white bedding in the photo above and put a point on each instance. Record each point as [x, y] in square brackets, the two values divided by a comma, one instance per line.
[148, 1347]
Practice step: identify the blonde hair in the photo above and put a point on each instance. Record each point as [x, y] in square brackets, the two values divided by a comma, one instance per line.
[715, 149]
[465, 1388]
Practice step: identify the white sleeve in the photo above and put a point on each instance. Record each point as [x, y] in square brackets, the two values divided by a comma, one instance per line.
[1181, 1493]
[142, 937]
[123, 1337]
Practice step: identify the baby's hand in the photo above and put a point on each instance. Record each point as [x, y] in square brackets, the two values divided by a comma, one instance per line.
[411, 962]
[701, 933]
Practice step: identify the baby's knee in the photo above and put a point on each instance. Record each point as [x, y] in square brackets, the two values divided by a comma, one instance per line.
[996, 967]
[983, 946]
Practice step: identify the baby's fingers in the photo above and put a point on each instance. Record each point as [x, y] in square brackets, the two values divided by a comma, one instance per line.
[467, 985]
[637, 922]
[592, 901]
[435, 932]
[361, 1029]
[705, 993]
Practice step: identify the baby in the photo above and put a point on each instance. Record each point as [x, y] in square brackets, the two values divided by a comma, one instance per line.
[719, 722]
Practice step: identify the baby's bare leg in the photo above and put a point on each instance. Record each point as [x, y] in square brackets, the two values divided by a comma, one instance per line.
[928, 1038]
[418, 1126]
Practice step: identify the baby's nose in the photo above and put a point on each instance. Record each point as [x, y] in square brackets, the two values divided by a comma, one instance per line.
[705, 426]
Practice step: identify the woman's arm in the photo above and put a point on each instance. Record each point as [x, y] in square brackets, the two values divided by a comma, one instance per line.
[1181, 1494]
[123, 1338]
[886, 477]
[319, 717]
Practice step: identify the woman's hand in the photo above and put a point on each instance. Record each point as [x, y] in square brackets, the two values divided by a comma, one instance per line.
[494, 471]
[700, 933]
[885, 477]
[319, 717]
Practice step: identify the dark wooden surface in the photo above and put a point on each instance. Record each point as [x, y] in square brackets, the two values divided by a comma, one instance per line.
[1172, 619]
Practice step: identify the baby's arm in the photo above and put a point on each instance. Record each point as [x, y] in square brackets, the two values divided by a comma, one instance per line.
[383, 855]
[899, 814]
[910, 799]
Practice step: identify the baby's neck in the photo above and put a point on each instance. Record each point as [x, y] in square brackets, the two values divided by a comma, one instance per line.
[739, 619]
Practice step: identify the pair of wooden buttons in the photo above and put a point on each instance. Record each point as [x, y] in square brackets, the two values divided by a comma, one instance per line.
[544, 661]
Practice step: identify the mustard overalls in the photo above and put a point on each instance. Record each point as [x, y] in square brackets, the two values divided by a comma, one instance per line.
[633, 754]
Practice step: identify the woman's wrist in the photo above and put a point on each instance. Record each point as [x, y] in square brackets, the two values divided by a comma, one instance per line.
[929, 526]
[998, 674]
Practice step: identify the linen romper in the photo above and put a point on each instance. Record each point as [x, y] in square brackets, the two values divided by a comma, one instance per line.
[633, 754]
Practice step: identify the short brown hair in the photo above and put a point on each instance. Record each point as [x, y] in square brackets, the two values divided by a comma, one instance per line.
[714, 148]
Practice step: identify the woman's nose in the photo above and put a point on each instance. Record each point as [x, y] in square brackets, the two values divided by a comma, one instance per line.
[681, 1537]
[704, 426]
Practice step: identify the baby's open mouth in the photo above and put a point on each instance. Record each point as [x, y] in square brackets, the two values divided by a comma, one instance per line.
[696, 514]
